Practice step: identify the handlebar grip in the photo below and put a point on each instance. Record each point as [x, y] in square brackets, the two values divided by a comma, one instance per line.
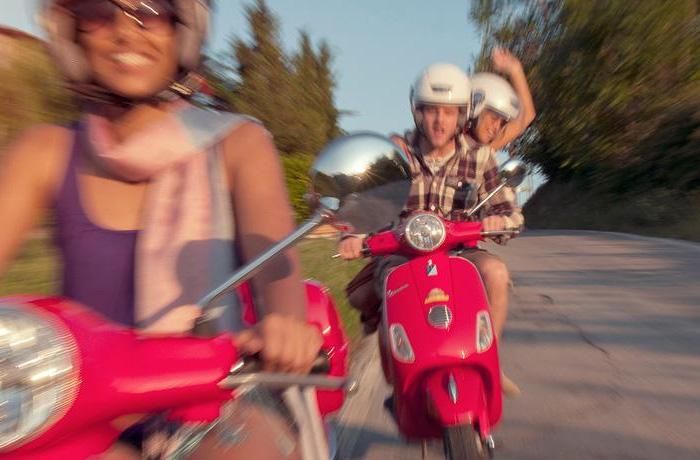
[507, 232]
[253, 363]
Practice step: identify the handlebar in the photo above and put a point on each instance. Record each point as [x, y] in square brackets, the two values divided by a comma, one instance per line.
[253, 363]
[507, 232]
[246, 371]
[458, 233]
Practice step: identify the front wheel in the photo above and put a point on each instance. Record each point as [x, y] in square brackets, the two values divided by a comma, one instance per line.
[463, 442]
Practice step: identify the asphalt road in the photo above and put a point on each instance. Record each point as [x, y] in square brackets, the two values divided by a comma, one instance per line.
[604, 340]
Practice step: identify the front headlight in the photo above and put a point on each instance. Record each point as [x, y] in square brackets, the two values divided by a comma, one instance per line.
[38, 378]
[425, 232]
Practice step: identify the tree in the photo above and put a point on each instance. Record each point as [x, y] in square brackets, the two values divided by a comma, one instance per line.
[608, 77]
[293, 96]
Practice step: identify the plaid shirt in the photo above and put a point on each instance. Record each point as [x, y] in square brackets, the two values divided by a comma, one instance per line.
[468, 177]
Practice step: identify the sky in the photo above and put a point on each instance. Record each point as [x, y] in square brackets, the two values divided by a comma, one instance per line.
[380, 46]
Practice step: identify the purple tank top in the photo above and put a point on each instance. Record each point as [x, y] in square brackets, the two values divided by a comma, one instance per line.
[98, 263]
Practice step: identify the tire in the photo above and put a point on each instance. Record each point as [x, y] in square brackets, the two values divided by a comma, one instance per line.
[463, 442]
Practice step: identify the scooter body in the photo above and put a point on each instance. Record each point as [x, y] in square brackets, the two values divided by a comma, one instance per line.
[436, 337]
[118, 372]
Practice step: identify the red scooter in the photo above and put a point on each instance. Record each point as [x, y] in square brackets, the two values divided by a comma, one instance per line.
[66, 374]
[437, 342]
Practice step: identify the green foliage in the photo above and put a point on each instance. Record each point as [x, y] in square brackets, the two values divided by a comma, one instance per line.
[33, 90]
[654, 212]
[616, 86]
[296, 168]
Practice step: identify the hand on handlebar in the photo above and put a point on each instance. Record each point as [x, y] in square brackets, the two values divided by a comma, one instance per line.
[285, 343]
[351, 247]
[493, 224]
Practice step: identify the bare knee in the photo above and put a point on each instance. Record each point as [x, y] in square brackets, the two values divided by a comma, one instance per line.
[495, 272]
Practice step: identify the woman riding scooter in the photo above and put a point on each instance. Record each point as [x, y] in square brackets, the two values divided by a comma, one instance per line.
[143, 191]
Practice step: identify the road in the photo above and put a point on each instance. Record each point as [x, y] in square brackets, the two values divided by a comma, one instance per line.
[604, 340]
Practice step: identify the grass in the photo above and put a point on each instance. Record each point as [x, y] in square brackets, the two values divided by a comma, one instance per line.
[36, 272]
[334, 274]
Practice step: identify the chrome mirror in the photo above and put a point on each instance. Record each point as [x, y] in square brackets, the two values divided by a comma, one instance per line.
[366, 176]
[513, 172]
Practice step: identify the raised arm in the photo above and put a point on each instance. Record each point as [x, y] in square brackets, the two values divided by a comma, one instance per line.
[505, 62]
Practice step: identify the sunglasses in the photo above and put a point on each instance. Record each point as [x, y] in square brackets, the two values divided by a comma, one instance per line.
[157, 16]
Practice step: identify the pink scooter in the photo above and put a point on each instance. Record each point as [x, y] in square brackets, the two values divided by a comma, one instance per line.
[66, 374]
[437, 343]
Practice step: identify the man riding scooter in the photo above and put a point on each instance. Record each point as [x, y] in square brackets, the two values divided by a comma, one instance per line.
[451, 172]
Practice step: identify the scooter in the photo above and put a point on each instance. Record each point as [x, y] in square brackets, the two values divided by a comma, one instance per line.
[438, 348]
[66, 373]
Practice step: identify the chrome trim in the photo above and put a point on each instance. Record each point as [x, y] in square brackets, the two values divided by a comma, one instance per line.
[490, 442]
[279, 380]
[417, 215]
[69, 387]
[440, 317]
[452, 388]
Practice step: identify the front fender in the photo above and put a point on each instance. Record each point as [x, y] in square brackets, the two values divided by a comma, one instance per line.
[457, 396]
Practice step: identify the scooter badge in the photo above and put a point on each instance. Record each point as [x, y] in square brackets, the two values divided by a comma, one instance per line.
[436, 295]
[431, 268]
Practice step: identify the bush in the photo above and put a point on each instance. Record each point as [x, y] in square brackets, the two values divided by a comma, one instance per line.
[296, 172]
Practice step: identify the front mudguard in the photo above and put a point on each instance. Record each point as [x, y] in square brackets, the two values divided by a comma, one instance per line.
[458, 396]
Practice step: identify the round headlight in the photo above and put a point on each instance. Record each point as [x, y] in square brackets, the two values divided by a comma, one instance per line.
[38, 378]
[425, 232]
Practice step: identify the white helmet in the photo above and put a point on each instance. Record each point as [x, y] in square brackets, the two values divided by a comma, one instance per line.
[441, 84]
[494, 93]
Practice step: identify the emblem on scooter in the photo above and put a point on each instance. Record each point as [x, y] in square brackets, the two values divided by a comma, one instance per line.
[436, 295]
[431, 268]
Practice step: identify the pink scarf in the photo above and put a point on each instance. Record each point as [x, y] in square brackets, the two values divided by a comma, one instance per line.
[185, 246]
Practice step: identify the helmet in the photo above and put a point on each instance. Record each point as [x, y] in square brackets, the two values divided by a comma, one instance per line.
[441, 84]
[191, 32]
[495, 93]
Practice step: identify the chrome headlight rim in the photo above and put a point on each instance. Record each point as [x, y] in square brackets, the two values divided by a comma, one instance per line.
[424, 215]
[69, 385]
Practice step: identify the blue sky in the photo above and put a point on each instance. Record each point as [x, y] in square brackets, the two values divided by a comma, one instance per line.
[379, 45]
